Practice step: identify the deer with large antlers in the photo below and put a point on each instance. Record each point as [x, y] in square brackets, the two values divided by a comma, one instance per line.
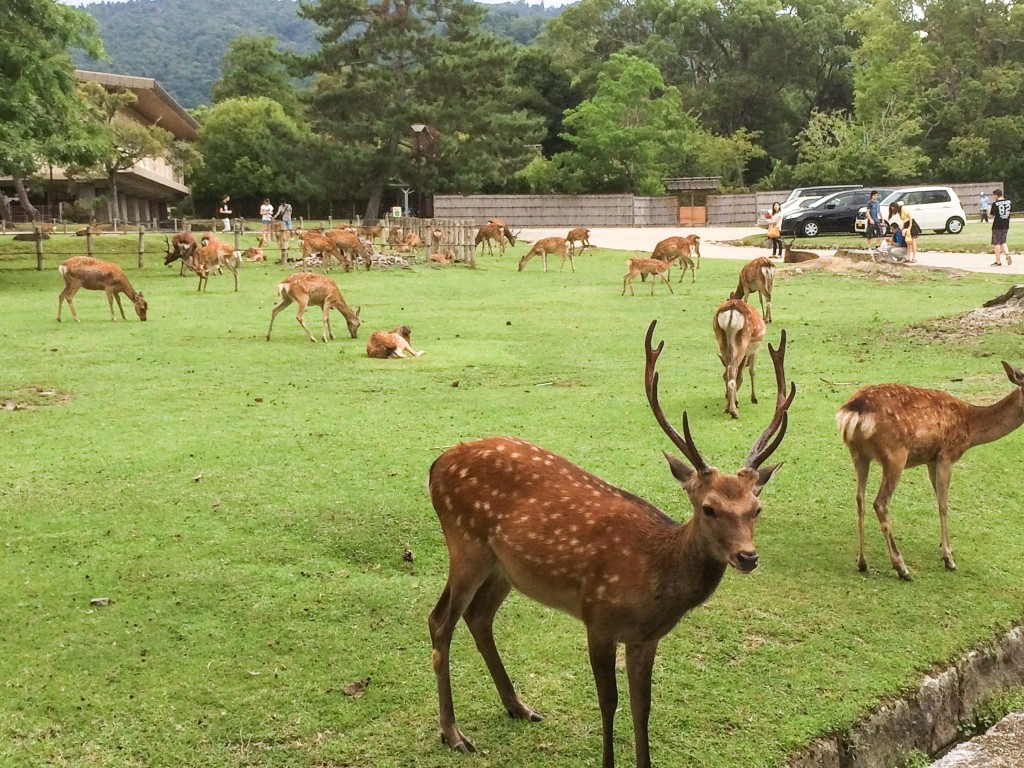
[544, 248]
[758, 276]
[182, 246]
[900, 426]
[739, 331]
[516, 515]
[305, 288]
[95, 275]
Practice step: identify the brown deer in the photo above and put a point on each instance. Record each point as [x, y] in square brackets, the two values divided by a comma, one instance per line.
[350, 247]
[796, 257]
[316, 243]
[516, 515]
[646, 267]
[682, 248]
[758, 276]
[448, 257]
[212, 255]
[305, 288]
[95, 275]
[579, 235]
[182, 246]
[394, 343]
[549, 245]
[255, 253]
[739, 331]
[487, 234]
[436, 238]
[900, 426]
[371, 233]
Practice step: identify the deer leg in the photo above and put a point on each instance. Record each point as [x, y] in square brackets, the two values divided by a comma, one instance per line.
[730, 390]
[750, 366]
[68, 294]
[667, 280]
[325, 324]
[285, 301]
[939, 473]
[110, 301]
[479, 618]
[234, 271]
[768, 308]
[892, 470]
[571, 263]
[300, 317]
[639, 666]
[463, 583]
[602, 662]
[625, 281]
[861, 464]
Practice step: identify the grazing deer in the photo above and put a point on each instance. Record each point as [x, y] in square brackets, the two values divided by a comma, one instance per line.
[182, 246]
[516, 515]
[350, 247]
[646, 267]
[739, 331]
[549, 245]
[900, 426]
[579, 235]
[758, 277]
[213, 255]
[796, 257]
[316, 243]
[305, 288]
[487, 234]
[95, 275]
[682, 248]
[394, 343]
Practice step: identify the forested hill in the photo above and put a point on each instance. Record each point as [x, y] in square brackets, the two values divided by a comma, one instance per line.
[180, 42]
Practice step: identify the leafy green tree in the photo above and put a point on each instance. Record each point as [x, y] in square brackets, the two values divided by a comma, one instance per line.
[251, 149]
[41, 117]
[548, 91]
[386, 66]
[252, 66]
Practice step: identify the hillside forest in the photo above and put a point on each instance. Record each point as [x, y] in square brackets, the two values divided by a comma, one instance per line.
[339, 103]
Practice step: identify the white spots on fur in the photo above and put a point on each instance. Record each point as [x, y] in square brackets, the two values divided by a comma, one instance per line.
[463, 472]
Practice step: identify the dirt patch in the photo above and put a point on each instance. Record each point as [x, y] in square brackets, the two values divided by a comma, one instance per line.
[33, 398]
[968, 325]
[860, 264]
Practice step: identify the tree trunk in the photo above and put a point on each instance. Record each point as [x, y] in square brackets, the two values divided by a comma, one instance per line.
[19, 187]
[5, 209]
[383, 174]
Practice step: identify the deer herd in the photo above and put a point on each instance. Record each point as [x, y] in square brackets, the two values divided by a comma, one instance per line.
[516, 516]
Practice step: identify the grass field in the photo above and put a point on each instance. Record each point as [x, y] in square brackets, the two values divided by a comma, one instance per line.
[246, 504]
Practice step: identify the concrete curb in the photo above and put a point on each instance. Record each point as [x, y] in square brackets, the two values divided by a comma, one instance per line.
[931, 719]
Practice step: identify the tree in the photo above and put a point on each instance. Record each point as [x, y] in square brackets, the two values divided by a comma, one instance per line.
[385, 67]
[252, 66]
[40, 114]
[124, 141]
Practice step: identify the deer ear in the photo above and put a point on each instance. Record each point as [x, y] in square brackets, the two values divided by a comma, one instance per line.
[764, 474]
[679, 470]
[1015, 375]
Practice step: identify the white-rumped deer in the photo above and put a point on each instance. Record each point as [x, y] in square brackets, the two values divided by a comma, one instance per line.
[95, 275]
[516, 515]
[899, 426]
[739, 331]
[579, 235]
[757, 276]
[394, 343]
[305, 288]
[644, 267]
[545, 247]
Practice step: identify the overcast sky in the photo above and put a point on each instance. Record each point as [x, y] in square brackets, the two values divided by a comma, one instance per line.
[547, 3]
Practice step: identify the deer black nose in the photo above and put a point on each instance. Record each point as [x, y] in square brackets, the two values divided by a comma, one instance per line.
[747, 561]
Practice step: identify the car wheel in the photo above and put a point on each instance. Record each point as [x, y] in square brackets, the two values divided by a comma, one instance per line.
[810, 228]
[955, 226]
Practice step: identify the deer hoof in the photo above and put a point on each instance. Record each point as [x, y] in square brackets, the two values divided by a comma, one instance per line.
[950, 565]
[459, 743]
[905, 575]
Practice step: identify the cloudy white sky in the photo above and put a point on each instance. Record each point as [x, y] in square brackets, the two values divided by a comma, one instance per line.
[547, 3]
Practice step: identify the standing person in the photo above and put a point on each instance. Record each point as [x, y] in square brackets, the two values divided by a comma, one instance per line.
[284, 212]
[775, 230]
[983, 206]
[1000, 212]
[874, 231]
[225, 212]
[911, 229]
[266, 216]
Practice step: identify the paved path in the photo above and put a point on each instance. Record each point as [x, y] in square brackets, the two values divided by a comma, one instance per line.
[714, 241]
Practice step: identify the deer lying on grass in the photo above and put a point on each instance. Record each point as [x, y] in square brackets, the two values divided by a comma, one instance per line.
[900, 426]
[516, 515]
[646, 267]
[212, 255]
[305, 288]
[95, 275]
[549, 245]
[394, 343]
[796, 257]
[758, 276]
[182, 246]
[739, 331]
[676, 249]
[579, 235]
[448, 257]
[256, 253]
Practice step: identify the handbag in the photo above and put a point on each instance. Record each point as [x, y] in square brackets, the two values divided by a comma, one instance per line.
[773, 231]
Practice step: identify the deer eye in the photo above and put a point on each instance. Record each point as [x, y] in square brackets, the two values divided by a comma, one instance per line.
[708, 511]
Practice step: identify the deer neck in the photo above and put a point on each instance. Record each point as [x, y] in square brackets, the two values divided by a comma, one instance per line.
[693, 573]
[992, 422]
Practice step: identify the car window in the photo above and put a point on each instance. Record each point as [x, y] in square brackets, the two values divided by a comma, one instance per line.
[912, 198]
[934, 196]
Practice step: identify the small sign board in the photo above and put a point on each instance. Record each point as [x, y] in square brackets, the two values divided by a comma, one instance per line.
[396, 211]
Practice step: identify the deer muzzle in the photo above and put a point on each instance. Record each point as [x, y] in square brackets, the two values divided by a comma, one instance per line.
[746, 561]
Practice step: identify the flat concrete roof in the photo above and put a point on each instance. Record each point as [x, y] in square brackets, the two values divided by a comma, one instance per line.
[154, 103]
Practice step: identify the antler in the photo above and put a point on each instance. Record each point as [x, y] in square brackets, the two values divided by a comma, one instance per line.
[765, 445]
[683, 443]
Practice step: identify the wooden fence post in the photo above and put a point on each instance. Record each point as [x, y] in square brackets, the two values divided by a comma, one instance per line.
[142, 245]
[39, 246]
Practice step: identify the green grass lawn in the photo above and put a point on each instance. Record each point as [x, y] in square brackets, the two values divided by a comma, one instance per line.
[975, 238]
[246, 504]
